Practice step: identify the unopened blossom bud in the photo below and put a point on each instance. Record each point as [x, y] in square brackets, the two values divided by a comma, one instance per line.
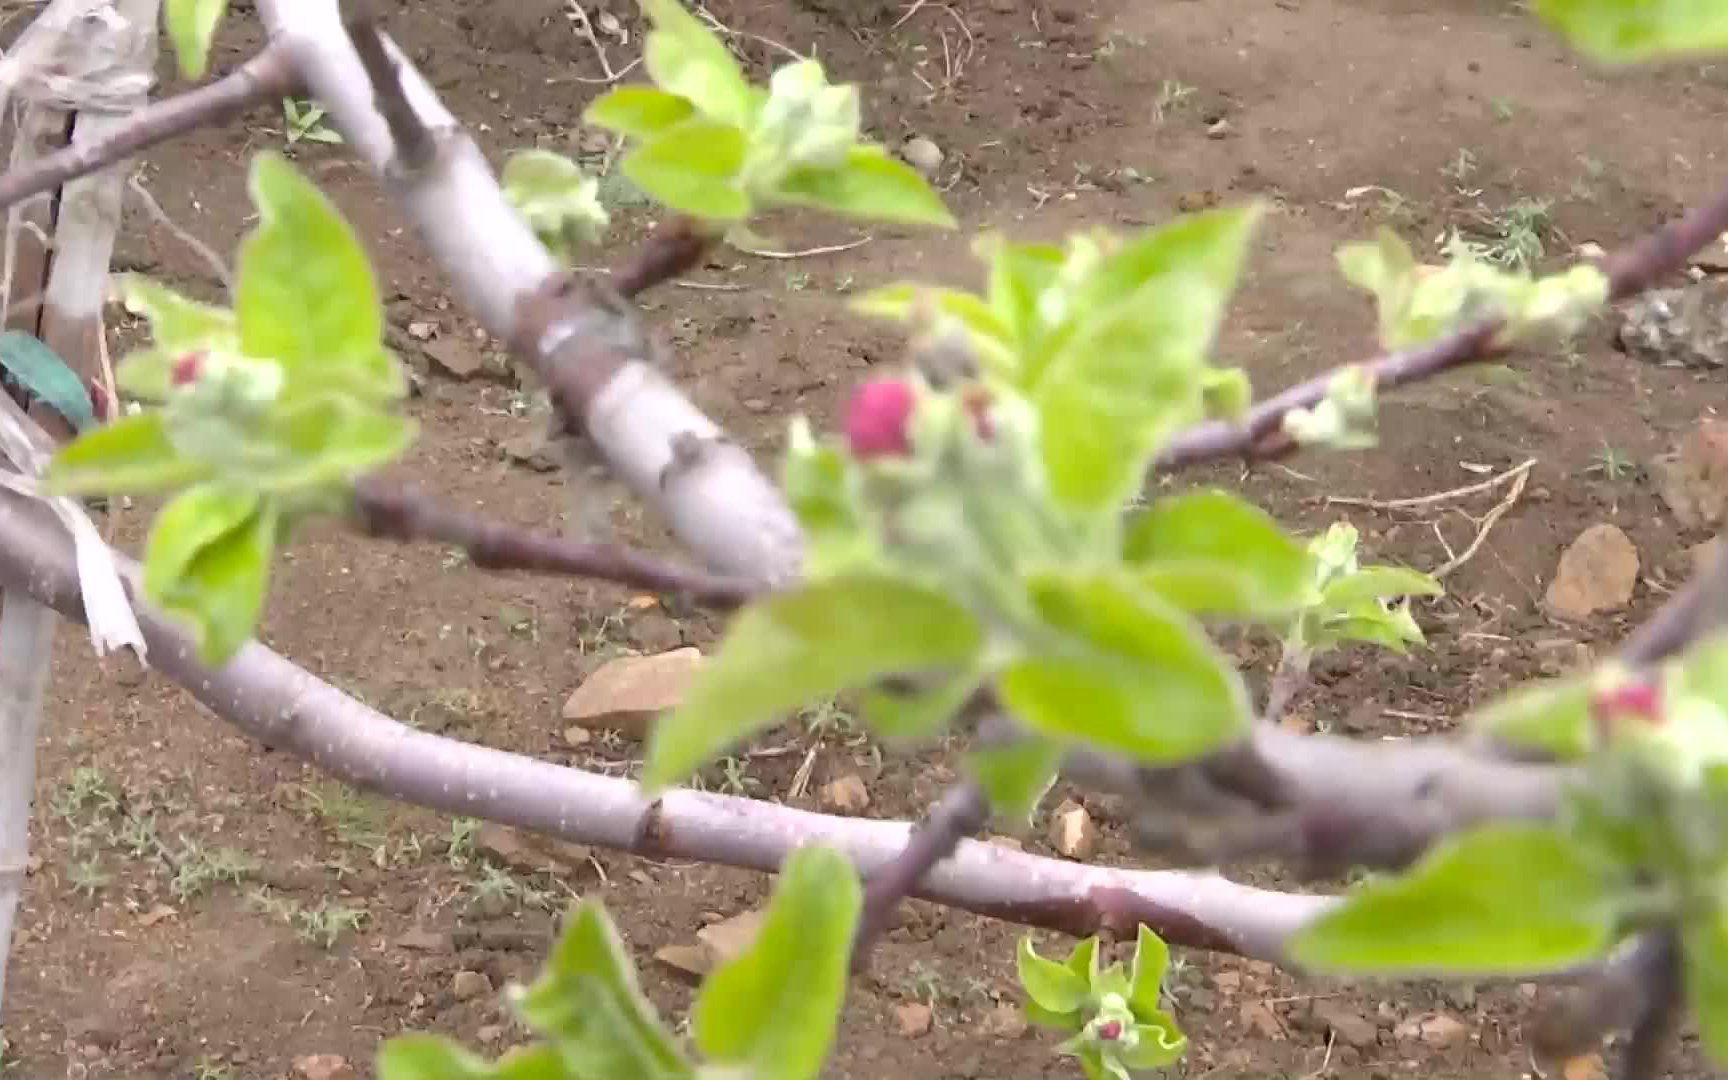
[878, 419]
[1638, 702]
[187, 368]
[1110, 1030]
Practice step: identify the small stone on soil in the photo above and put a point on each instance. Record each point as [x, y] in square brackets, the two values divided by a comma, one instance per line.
[323, 1067]
[1071, 831]
[626, 694]
[1596, 574]
[468, 985]
[915, 1019]
[846, 795]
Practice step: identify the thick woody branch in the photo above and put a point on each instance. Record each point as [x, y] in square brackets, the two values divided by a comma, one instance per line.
[580, 338]
[267, 76]
[400, 512]
[281, 705]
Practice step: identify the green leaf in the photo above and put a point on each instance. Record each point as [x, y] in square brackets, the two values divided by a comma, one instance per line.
[1625, 31]
[1551, 717]
[133, 455]
[1055, 988]
[922, 714]
[191, 26]
[640, 112]
[799, 646]
[208, 562]
[1378, 582]
[1124, 670]
[1161, 1043]
[329, 442]
[685, 58]
[1129, 369]
[1016, 776]
[421, 1056]
[587, 1000]
[1214, 553]
[1503, 899]
[773, 1010]
[1146, 976]
[1019, 274]
[693, 168]
[982, 325]
[870, 185]
[1704, 952]
[175, 320]
[307, 297]
[554, 196]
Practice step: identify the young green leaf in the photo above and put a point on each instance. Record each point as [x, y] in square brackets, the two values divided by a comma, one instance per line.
[133, 456]
[1127, 368]
[307, 297]
[328, 442]
[1123, 669]
[693, 168]
[1502, 899]
[588, 1002]
[1016, 777]
[1146, 975]
[191, 26]
[1213, 553]
[772, 1011]
[640, 112]
[210, 566]
[1551, 717]
[1055, 988]
[176, 321]
[1159, 1043]
[983, 327]
[1704, 951]
[803, 644]
[1019, 275]
[1625, 31]
[554, 196]
[892, 714]
[1378, 582]
[685, 58]
[870, 185]
[422, 1056]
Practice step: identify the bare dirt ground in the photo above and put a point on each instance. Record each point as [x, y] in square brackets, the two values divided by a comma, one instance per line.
[205, 910]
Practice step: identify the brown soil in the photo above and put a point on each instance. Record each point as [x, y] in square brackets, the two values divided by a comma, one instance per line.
[1448, 105]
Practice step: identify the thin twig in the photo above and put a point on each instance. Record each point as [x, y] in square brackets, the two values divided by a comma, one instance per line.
[961, 813]
[266, 76]
[414, 143]
[806, 253]
[1654, 1028]
[198, 247]
[1429, 500]
[579, 16]
[402, 513]
[1487, 523]
[1629, 271]
[675, 250]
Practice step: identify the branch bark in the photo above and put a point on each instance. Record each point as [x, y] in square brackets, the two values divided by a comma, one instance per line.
[580, 337]
[270, 699]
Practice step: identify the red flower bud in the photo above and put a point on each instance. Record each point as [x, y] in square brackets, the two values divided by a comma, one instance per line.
[876, 421]
[1110, 1030]
[977, 402]
[1631, 701]
[186, 368]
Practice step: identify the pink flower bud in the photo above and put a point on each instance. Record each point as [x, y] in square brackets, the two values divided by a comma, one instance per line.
[876, 421]
[186, 368]
[1110, 1030]
[1630, 701]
